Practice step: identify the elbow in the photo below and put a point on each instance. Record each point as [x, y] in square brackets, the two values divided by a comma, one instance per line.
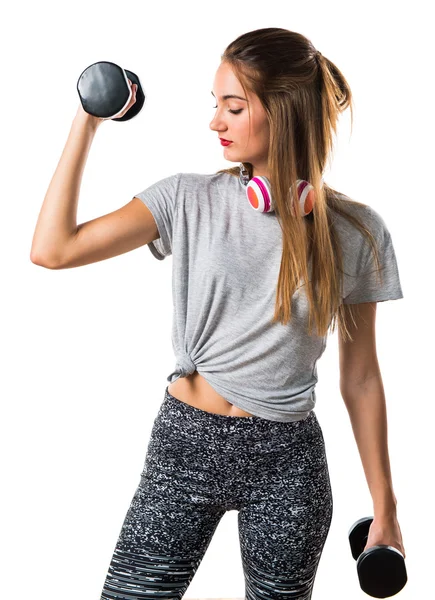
[38, 259]
[350, 390]
[353, 391]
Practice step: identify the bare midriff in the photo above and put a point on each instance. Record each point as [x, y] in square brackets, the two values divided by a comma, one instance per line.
[197, 392]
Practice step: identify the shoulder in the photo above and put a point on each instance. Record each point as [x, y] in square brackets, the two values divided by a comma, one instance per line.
[205, 178]
[367, 216]
[180, 182]
[207, 185]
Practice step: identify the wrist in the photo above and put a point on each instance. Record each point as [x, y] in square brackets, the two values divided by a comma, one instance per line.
[385, 508]
[87, 120]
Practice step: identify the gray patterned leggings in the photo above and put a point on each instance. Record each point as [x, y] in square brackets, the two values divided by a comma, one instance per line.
[199, 465]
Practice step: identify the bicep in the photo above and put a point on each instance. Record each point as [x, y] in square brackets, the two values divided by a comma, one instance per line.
[118, 232]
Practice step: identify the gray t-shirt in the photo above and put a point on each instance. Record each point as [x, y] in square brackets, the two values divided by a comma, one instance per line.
[226, 260]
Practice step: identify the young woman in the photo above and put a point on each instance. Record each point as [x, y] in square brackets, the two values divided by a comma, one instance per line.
[255, 294]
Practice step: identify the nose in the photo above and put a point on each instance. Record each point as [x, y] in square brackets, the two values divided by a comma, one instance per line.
[221, 131]
[217, 124]
[212, 124]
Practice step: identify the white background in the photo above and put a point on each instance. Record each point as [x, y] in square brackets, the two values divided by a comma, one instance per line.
[86, 351]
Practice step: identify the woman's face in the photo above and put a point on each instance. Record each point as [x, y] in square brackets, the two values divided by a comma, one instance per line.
[235, 127]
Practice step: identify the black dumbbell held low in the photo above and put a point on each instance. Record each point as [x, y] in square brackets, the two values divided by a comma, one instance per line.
[104, 91]
[381, 569]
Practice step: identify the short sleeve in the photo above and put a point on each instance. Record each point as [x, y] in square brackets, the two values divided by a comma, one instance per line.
[160, 198]
[368, 286]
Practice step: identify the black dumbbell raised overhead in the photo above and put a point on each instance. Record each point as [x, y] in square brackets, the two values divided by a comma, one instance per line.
[104, 91]
[381, 569]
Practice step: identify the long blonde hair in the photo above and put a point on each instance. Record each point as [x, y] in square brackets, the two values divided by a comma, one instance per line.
[302, 93]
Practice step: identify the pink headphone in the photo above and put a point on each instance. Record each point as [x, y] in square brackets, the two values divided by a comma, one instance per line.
[259, 193]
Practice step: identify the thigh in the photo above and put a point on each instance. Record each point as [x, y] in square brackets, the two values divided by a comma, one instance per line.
[168, 526]
[282, 532]
[162, 542]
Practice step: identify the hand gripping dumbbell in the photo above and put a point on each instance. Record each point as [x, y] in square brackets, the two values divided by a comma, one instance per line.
[381, 569]
[104, 91]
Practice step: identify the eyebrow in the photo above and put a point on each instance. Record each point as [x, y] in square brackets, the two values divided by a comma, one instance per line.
[227, 96]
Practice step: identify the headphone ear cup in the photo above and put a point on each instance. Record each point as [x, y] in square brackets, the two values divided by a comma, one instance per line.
[306, 197]
[259, 194]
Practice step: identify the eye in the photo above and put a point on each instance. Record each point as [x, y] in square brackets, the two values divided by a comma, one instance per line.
[234, 112]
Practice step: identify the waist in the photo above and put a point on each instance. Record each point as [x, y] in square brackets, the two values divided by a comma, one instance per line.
[196, 391]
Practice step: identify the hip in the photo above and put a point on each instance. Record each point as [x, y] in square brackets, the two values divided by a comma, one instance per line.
[186, 437]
